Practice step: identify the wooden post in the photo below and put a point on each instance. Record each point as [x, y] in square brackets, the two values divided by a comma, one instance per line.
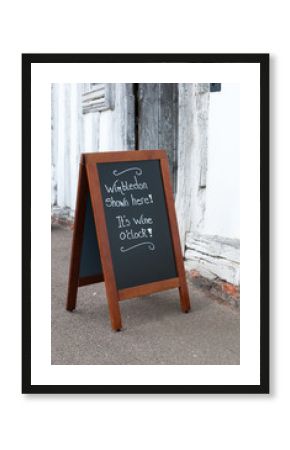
[78, 231]
[104, 246]
[183, 289]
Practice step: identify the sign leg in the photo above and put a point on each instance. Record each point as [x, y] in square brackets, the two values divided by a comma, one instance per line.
[71, 296]
[183, 289]
[115, 313]
[77, 239]
[104, 246]
[184, 297]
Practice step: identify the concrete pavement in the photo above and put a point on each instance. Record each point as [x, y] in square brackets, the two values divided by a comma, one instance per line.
[155, 330]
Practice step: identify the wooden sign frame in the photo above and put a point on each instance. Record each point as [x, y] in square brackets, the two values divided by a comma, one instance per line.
[89, 183]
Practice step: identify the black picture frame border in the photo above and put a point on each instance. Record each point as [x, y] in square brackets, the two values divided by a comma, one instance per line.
[261, 58]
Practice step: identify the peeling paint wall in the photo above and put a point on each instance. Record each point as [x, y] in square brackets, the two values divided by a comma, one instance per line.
[192, 157]
[208, 180]
[75, 131]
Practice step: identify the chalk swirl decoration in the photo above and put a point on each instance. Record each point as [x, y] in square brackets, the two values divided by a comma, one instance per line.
[137, 170]
[150, 246]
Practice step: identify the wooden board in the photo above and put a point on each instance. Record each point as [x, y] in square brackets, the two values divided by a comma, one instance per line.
[137, 222]
[90, 264]
[158, 121]
[125, 229]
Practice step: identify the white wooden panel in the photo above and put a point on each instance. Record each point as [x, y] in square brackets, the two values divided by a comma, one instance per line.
[192, 155]
[54, 142]
[61, 147]
[214, 256]
[74, 132]
[91, 132]
[74, 141]
[222, 214]
[98, 97]
[117, 126]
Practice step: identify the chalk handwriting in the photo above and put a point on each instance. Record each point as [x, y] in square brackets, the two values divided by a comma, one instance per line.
[127, 225]
[150, 245]
[136, 169]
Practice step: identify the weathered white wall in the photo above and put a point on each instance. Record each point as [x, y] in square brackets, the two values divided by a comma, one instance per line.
[116, 130]
[75, 132]
[207, 199]
[192, 157]
[222, 214]
[67, 143]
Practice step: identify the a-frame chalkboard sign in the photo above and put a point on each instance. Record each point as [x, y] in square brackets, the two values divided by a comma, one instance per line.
[125, 230]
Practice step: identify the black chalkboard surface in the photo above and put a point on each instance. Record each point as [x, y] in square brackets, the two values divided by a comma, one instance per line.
[90, 264]
[137, 222]
[125, 229]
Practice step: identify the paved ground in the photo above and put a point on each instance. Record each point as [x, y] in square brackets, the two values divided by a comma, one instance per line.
[155, 330]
